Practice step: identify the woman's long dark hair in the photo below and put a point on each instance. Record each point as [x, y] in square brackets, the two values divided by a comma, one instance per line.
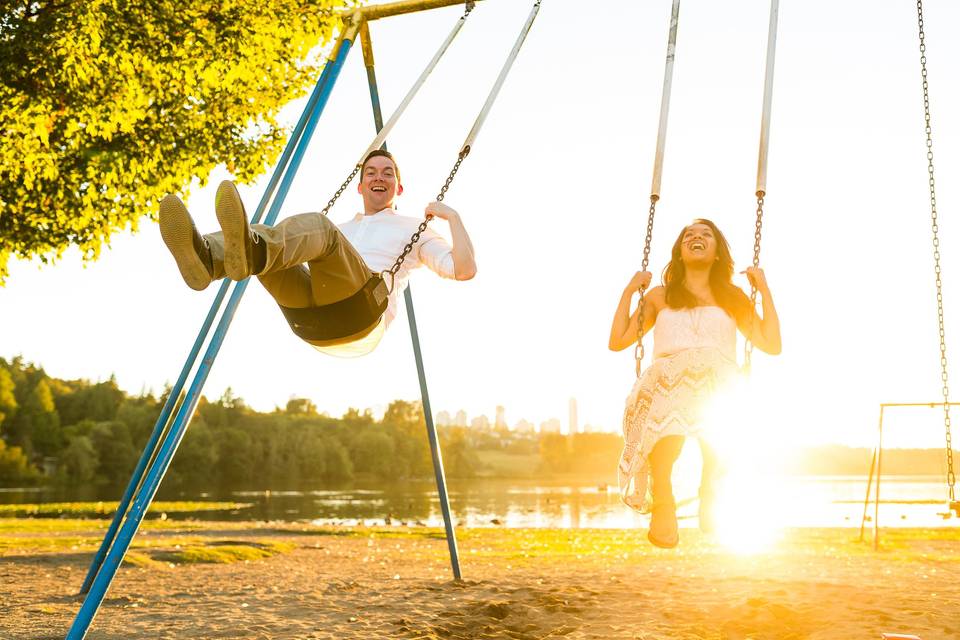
[728, 296]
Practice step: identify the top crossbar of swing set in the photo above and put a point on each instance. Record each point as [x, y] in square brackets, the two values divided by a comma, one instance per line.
[376, 12]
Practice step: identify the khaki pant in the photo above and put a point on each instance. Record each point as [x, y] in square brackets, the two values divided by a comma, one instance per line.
[334, 270]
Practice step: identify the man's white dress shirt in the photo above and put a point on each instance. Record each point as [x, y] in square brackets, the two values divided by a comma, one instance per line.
[379, 238]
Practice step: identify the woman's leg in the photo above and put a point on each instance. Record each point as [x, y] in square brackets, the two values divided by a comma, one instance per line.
[663, 516]
[709, 478]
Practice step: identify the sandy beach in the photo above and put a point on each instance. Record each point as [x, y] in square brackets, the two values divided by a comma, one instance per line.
[297, 581]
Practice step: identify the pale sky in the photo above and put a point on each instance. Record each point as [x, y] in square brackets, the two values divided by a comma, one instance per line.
[555, 196]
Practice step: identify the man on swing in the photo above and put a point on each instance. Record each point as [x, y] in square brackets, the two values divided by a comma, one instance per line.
[307, 261]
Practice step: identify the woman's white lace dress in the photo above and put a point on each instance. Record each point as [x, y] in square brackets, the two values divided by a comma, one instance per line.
[694, 354]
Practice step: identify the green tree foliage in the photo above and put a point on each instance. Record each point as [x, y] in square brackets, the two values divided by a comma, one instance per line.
[106, 106]
[79, 400]
[116, 451]
[237, 458]
[373, 451]
[301, 406]
[228, 445]
[15, 468]
[8, 401]
[555, 453]
[198, 458]
[593, 452]
[79, 461]
[36, 425]
[459, 458]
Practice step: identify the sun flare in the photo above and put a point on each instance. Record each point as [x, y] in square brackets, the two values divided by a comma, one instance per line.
[741, 426]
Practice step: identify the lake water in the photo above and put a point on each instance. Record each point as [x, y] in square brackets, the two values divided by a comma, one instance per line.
[906, 501]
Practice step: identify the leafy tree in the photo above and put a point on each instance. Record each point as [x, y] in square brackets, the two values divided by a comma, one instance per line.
[554, 452]
[237, 458]
[14, 466]
[117, 454]
[197, 461]
[106, 106]
[140, 415]
[36, 425]
[79, 461]
[337, 465]
[460, 460]
[79, 400]
[301, 406]
[373, 451]
[595, 452]
[8, 401]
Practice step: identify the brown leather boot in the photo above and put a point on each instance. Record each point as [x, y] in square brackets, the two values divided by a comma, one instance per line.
[188, 247]
[663, 531]
[244, 253]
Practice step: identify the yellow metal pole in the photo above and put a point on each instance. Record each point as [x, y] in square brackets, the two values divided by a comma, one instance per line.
[366, 44]
[390, 9]
[352, 23]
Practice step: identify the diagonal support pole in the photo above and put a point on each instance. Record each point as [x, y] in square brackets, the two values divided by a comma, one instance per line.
[178, 427]
[176, 393]
[435, 453]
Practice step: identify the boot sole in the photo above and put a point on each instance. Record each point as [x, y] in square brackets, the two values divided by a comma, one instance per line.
[233, 222]
[663, 544]
[176, 229]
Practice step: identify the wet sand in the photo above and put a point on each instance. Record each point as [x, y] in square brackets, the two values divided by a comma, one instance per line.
[520, 583]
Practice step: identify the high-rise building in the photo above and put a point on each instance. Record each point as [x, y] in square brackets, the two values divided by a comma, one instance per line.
[501, 419]
[480, 423]
[551, 426]
[461, 419]
[523, 426]
[573, 426]
[443, 419]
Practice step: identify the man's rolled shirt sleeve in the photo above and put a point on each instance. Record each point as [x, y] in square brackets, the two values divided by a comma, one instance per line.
[436, 253]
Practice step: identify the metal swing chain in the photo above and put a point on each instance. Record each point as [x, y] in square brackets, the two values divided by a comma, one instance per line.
[423, 225]
[757, 233]
[343, 187]
[951, 477]
[638, 350]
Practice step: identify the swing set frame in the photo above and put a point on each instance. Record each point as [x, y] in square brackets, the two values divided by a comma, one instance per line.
[876, 462]
[182, 400]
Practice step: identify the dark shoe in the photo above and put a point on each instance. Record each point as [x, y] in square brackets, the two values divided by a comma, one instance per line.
[188, 247]
[241, 246]
[663, 531]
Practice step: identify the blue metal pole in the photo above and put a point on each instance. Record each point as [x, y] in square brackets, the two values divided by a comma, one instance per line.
[415, 337]
[434, 441]
[158, 429]
[101, 583]
[165, 413]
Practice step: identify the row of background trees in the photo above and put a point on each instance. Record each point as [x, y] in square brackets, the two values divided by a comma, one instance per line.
[92, 433]
[76, 431]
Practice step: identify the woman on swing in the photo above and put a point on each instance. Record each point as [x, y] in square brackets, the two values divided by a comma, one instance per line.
[695, 316]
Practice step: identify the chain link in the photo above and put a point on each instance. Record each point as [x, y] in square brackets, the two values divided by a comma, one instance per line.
[757, 233]
[945, 388]
[423, 225]
[638, 351]
[343, 187]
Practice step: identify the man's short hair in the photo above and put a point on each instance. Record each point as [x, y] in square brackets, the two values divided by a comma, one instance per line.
[382, 153]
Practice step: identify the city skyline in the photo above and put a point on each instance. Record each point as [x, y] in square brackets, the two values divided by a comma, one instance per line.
[551, 424]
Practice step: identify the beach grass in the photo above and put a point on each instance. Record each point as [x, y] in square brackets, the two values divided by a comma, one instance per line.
[107, 508]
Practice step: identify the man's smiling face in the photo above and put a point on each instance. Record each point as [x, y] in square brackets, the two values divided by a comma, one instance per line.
[379, 184]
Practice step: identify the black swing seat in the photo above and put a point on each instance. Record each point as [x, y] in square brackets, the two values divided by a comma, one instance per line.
[343, 318]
